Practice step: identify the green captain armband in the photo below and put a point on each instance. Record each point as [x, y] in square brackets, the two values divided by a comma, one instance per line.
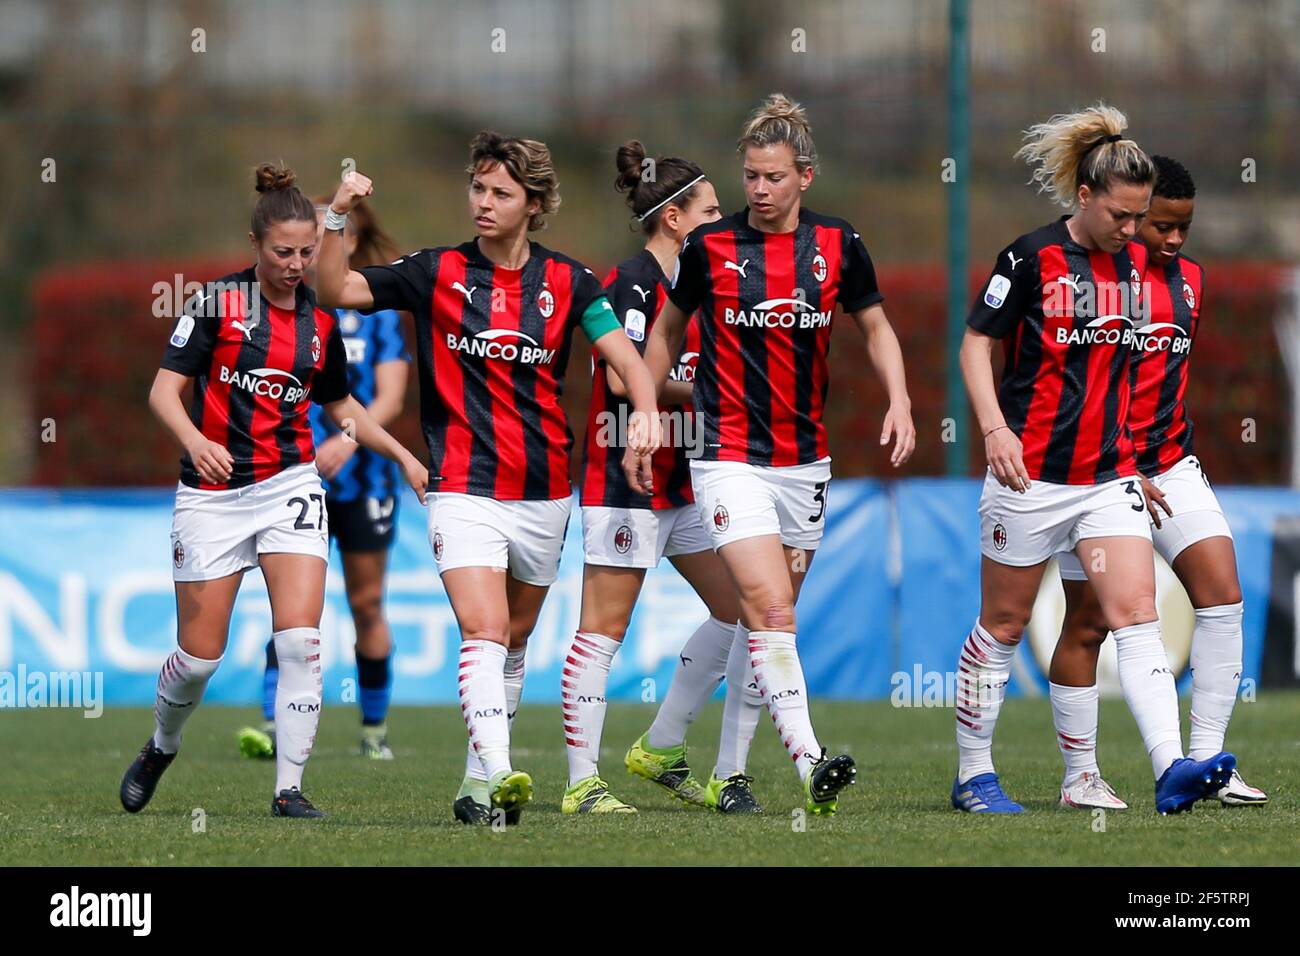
[599, 319]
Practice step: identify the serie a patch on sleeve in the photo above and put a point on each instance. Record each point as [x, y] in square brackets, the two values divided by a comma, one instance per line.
[634, 325]
[181, 334]
[997, 291]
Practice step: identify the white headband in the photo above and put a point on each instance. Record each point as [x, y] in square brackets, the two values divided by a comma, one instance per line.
[641, 218]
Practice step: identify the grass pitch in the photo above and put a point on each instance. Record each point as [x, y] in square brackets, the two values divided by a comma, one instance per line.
[59, 805]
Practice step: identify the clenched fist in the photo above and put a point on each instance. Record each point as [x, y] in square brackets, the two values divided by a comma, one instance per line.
[351, 191]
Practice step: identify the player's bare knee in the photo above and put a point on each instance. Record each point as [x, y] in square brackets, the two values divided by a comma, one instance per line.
[1007, 626]
[726, 611]
[204, 647]
[612, 628]
[495, 633]
[1092, 635]
[1230, 594]
[1085, 627]
[779, 616]
[1140, 611]
[367, 609]
[521, 630]
[297, 619]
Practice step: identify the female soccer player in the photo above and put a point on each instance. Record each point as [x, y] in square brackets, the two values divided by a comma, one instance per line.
[258, 349]
[624, 532]
[1062, 474]
[494, 319]
[766, 281]
[1193, 536]
[361, 492]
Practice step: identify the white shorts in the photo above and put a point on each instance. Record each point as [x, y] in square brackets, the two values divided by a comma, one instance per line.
[1197, 516]
[736, 500]
[639, 537]
[1023, 529]
[218, 533]
[523, 537]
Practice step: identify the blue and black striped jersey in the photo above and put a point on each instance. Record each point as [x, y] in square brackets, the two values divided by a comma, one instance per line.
[370, 340]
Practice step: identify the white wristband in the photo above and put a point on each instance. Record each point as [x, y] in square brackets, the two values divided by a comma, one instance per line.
[335, 220]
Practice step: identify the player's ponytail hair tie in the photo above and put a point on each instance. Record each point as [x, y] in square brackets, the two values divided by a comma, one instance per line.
[1113, 138]
[280, 199]
[1064, 154]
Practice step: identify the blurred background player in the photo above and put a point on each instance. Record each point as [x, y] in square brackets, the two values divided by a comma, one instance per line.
[1062, 474]
[625, 532]
[1192, 535]
[494, 320]
[257, 349]
[361, 492]
[766, 281]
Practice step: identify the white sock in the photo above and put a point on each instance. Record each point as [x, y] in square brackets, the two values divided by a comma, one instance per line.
[483, 703]
[298, 693]
[1216, 672]
[700, 668]
[1148, 686]
[181, 683]
[780, 680]
[740, 712]
[983, 668]
[1074, 711]
[582, 695]
[513, 674]
[473, 766]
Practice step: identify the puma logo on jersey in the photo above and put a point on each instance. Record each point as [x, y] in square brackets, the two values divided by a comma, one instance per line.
[1071, 281]
[1014, 261]
[246, 329]
[467, 293]
[739, 268]
[641, 292]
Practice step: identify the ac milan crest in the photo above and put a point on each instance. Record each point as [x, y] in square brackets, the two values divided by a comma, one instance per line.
[721, 519]
[437, 546]
[999, 536]
[623, 539]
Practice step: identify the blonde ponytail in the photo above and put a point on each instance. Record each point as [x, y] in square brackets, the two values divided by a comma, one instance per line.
[1086, 148]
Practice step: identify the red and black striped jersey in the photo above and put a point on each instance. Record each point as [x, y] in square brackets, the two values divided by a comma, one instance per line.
[765, 303]
[1157, 417]
[1066, 317]
[493, 345]
[254, 367]
[637, 288]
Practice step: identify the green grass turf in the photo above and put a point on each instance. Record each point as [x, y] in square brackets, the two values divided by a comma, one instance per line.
[58, 796]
